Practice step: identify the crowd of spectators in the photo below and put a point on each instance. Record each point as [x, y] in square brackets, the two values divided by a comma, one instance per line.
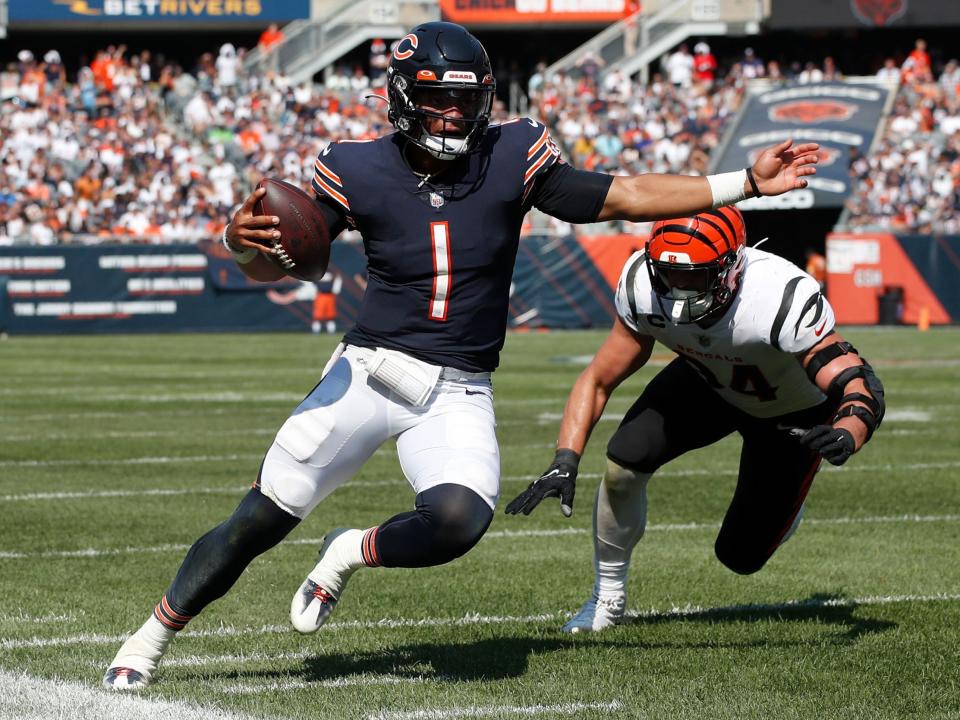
[911, 181]
[138, 147]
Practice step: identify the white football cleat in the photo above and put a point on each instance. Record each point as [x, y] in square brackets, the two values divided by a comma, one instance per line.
[318, 595]
[598, 613]
[134, 665]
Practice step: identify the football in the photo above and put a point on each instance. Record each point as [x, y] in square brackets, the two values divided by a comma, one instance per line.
[304, 244]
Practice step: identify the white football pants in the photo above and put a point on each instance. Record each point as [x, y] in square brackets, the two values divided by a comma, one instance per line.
[332, 433]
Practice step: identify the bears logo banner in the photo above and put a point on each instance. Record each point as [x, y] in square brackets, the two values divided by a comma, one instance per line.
[797, 14]
[840, 116]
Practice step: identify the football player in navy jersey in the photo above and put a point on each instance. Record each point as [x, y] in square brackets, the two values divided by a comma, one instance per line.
[439, 204]
[757, 355]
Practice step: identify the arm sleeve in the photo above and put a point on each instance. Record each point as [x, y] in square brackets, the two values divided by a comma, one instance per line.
[571, 195]
[804, 317]
[334, 215]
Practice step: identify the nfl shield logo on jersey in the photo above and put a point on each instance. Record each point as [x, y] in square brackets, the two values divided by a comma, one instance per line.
[704, 340]
[436, 199]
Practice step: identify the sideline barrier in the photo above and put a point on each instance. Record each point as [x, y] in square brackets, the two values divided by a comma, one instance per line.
[863, 269]
[557, 283]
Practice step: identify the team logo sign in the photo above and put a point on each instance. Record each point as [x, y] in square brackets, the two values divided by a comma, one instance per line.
[810, 112]
[878, 12]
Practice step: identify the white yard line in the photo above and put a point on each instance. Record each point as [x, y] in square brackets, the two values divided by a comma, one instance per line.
[468, 620]
[118, 435]
[712, 472]
[29, 698]
[158, 460]
[484, 711]
[493, 535]
[22, 618]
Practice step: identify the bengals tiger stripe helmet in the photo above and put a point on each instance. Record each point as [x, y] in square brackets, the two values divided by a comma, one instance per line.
[695, 263]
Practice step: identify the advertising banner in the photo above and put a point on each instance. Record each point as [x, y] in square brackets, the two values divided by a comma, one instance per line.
[839, 116]
[794, 15]
[557, 283]
[526, 12]
[916, 274]
[147, 12]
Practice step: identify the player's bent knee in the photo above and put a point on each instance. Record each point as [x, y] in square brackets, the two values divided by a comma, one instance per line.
[618, 479]
[632, 453]
[458, 517]
[738, 559]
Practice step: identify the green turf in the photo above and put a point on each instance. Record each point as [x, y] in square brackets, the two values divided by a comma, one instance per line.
[856, 617]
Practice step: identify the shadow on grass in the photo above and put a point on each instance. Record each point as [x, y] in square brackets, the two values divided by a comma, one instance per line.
[825, 609]
[507, 656]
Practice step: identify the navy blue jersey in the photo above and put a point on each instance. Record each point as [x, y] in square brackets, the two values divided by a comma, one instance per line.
[440, 253]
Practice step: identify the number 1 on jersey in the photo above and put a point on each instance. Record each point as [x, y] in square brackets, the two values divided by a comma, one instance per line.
[440, 297]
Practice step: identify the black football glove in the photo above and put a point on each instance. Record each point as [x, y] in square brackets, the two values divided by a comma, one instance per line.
[835, 445]
[560, 480]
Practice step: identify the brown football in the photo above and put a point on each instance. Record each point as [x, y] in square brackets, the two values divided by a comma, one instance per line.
[304, 244]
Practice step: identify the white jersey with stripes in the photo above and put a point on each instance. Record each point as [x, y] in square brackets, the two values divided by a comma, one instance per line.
[750, 354]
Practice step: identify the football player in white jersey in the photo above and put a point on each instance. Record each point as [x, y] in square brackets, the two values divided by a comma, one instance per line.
[758, 355]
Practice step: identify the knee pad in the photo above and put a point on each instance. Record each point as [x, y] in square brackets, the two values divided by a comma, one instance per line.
[619, 479]
[457, 516]
[629, 453]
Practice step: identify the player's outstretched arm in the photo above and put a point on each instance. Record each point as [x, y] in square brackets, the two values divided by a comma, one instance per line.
[245, 236]
[836, 367]
[779, 169]
[622, 354]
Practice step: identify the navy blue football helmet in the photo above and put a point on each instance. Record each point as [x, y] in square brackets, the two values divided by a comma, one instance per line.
[436, 68]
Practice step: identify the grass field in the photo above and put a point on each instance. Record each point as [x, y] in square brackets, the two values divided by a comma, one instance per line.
[118, 452]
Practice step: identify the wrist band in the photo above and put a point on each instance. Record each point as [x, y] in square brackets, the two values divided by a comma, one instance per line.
[242, 257]
[727, 188]
[753, 183]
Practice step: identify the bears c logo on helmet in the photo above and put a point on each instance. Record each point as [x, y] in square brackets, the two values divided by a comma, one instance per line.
[404, 54]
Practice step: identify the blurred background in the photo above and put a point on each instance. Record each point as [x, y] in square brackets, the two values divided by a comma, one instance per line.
[131, 129]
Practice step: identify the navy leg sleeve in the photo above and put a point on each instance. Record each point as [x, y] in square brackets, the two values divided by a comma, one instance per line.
[217, 559]
[448, 520]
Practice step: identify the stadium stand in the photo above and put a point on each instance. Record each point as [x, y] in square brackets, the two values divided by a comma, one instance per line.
[140, 151]
[911, 182]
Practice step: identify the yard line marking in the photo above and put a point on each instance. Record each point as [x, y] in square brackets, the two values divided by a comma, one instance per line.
[496, 710]
[98, 397]
[712, 472]
[908, 414]
[22, 617]
[30, 698]
[87, 494]
[469, 620]
[695, 611]
[160, 460]
[494, 535]
[94, 434]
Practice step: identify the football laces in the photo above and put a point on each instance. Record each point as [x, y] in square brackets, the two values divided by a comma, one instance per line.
[283, 257]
